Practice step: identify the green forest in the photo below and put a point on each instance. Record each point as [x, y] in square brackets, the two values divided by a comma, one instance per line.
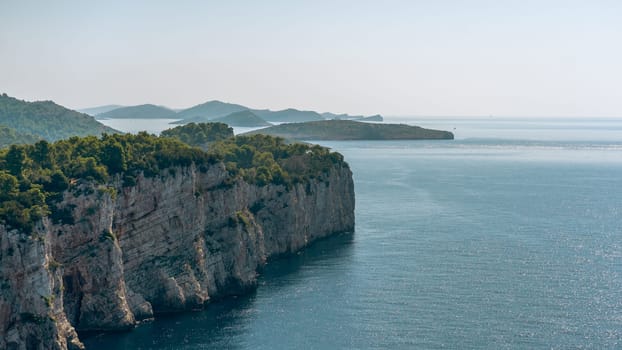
[47, 120]
[33, 177]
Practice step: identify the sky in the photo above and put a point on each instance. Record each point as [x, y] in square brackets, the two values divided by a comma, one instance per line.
[423, 58]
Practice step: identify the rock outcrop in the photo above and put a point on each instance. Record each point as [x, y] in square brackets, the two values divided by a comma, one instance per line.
[169, 243]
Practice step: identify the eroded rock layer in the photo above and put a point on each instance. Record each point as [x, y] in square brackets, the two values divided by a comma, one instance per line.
[169, 243]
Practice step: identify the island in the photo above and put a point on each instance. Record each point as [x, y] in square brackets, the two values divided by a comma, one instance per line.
[207, 111]
[216, 111]
[352, 130]
[243, 119]
[372, 118]
[147, 111]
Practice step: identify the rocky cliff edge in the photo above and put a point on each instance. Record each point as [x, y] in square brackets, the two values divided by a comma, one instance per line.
[170, 243]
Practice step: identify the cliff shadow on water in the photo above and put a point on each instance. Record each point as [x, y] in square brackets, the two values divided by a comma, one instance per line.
[220, 323]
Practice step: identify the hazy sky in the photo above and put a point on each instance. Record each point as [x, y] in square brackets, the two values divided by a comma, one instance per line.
[434, 57]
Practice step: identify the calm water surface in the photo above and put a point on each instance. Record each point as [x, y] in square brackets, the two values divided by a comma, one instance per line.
[479, 244]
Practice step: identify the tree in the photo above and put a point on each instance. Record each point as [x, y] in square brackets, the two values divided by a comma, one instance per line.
[9, 186]
[41, 154]
[15, 159]
[113, 156]
[58, 182]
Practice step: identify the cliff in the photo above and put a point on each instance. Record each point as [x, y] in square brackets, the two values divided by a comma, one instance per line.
[169, 243]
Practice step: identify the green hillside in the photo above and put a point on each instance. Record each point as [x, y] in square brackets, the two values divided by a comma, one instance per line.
[47, 120]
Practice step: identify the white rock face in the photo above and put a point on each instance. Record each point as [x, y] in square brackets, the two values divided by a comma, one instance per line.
[169, 243]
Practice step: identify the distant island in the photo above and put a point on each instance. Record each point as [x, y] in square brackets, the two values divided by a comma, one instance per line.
[214, 110]
[147, 111]
[352, 130]
[208, 111]
[243, 119]
[289, 115]
[94, 111]
[373, 118]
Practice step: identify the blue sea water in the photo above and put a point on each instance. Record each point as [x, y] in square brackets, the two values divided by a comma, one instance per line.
[502, 240]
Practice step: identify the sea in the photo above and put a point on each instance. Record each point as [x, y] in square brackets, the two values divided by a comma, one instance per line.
[508, 237]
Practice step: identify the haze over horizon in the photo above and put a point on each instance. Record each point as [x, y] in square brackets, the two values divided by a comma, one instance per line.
[444, 58]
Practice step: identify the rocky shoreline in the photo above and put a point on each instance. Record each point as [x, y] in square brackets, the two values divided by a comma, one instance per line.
[169, 243]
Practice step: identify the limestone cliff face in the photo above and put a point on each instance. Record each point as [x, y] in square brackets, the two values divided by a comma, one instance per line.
[31, 297]
[167, 244]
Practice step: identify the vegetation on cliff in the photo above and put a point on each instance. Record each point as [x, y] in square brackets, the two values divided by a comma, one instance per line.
[33, 177]
[263, 159]
[47, 120]
[351, 130]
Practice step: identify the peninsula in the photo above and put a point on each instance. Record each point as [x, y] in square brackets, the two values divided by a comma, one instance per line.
[352, 130]
[98, 234]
